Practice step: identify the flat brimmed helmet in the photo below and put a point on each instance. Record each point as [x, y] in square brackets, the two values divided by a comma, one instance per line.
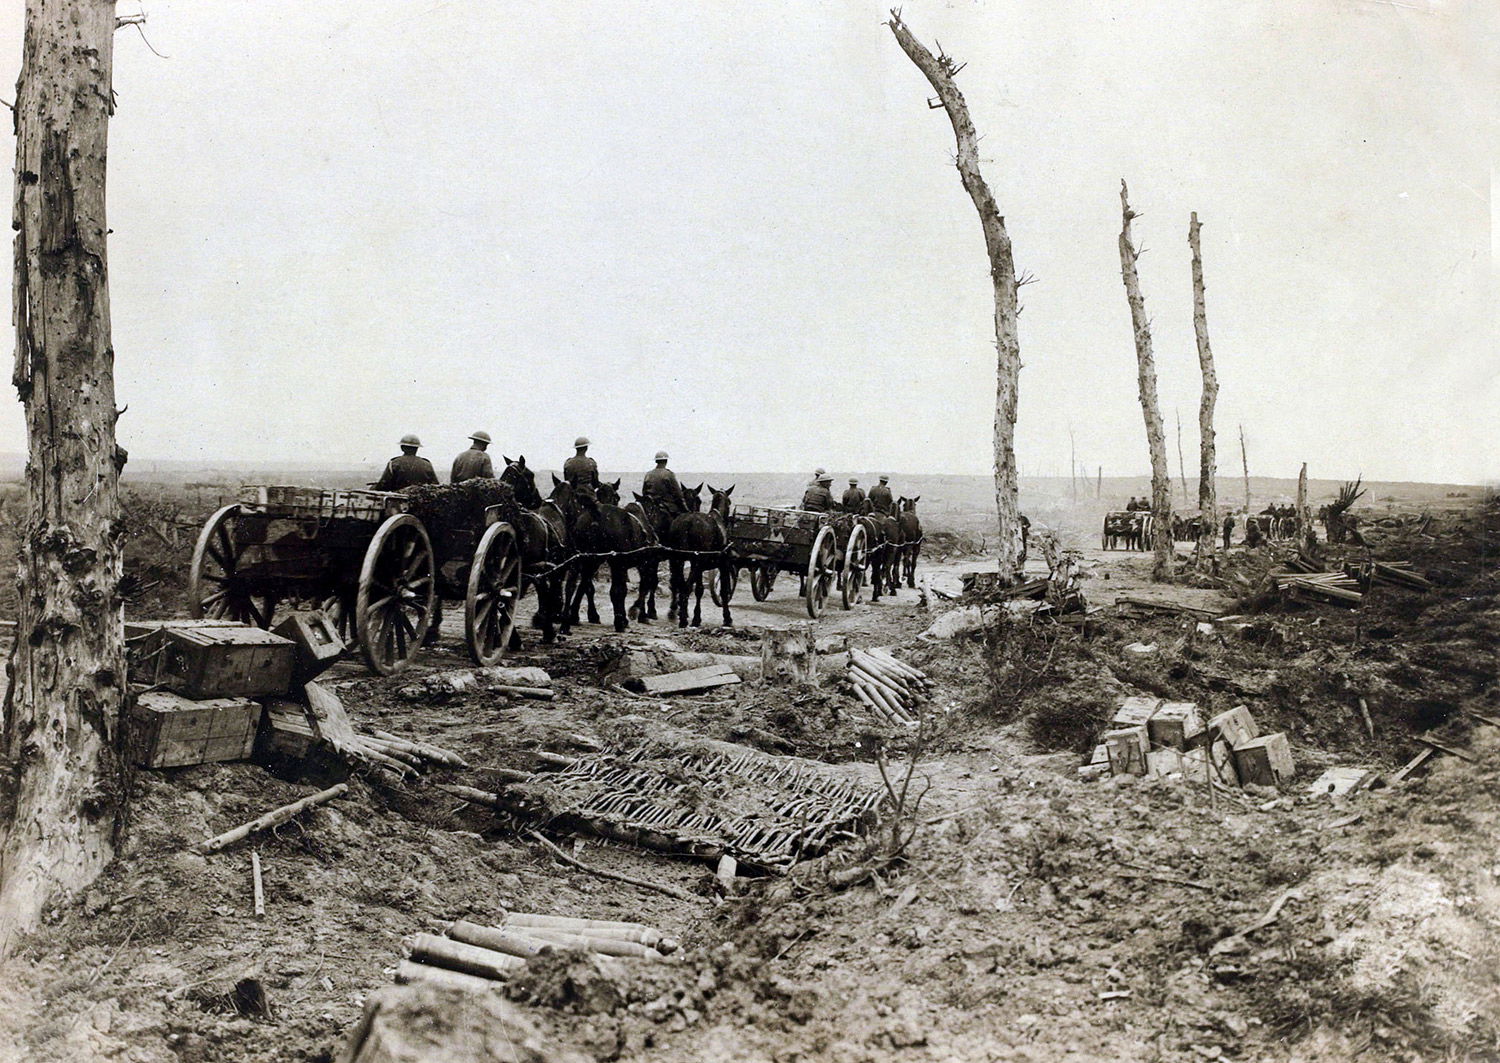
[480, 437]
[581, 441]
[410, 440]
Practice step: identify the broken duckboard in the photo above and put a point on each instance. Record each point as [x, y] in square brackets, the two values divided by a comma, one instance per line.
[766, 811]
[691, 681]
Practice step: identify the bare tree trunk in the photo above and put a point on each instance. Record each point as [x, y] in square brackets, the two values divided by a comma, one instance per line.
[1208, 506]
[1161, 472]
[1304, 522]
[939, 71]
[1181, 462]
[1245, 463]
[61, 791]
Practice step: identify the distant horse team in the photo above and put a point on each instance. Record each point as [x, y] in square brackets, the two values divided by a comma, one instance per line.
[577, 530]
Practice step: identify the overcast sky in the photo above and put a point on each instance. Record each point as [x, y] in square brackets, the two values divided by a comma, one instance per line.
[734, 230]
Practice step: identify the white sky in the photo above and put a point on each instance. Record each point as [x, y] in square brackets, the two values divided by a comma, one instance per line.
[733, 230]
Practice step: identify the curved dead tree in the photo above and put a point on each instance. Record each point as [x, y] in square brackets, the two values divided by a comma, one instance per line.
[940, 71]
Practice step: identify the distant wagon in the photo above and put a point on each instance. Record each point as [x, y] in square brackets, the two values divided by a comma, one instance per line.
[767, 541]
[367, 560]
[1126, 530]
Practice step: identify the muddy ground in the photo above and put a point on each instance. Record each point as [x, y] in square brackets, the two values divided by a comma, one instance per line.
[1030, 916]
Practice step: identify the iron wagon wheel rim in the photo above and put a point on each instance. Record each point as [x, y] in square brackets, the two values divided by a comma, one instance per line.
[713, 585]
[494, 593]
[821, 563]
[856, 560]
[397, 594]
[215, 590]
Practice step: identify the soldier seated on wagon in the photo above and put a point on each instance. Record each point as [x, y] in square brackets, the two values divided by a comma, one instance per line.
[473, 463]
[881, 500]
[818, 498]
[854, 499]
[406, 469]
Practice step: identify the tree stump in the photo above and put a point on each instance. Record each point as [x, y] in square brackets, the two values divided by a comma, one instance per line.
[790, 655]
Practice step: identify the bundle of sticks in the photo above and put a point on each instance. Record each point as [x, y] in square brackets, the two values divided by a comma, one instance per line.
[1334, 587]
[889, 688]
[472, 951]
[1398, 573]
[404, 756]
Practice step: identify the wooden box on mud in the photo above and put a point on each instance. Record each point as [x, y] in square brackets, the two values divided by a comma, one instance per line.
[226, 662]
[170, 731]
[145, 640]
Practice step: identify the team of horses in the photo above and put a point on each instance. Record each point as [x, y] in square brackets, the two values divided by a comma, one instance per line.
[566, 538]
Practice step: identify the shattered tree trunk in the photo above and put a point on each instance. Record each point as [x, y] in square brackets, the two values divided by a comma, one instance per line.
[939, 72]
[61, 790]
[1245, 464]
[1208, 505]
[1161, 472]
[1304, 522]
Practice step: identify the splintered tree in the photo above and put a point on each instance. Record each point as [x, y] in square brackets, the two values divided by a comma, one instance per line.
[1207, 462]
[1161, 472]
[939, 71]
[60, 792]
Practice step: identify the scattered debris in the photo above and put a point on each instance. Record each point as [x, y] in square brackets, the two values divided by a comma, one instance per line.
[691, 681]
[1150, 737]
[519, 682]
[274, 818]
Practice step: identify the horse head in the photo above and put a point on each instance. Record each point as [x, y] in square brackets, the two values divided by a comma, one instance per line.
[608, 494]
[719, 503]
[567, 499]
[908, 505]
[521, 480]
[693, 498]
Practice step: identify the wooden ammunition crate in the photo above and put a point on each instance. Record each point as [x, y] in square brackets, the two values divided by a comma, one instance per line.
[144, 640]
[317, 643]
[170, 731]
[315, 503]
[229, 662]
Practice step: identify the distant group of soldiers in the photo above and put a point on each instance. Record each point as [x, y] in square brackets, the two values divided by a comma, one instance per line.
[660, 485]
[818, 497]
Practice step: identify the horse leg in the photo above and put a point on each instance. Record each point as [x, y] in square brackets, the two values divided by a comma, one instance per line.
[911, 565]
[679, 593]
[696, 579]
[619, 589]
[588, 590]
[723, 575]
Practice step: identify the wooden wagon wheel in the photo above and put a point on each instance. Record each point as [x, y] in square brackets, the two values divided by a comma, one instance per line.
[397, 594]
[713, 584]
[339, 608]
[494, 593]
[762, 579]
[856, 561]
[822, 569]
[215, 587]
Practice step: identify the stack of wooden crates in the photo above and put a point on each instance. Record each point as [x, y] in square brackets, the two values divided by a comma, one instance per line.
[1149, 736]
[199, 682]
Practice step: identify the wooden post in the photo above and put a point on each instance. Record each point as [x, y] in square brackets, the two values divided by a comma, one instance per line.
[940, 71]
[1161, 473]
[1304, 522]
[1245, 462]
[1181, 464]
[1099, 484]
[1072, 465]
[790, 655]
[1208, 469]
[63, 793]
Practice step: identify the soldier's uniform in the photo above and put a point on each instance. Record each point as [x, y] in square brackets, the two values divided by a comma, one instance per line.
[854, 499]
[471, 464]
[581, 470]
[817, 498]
[406, 471]
[661, 487]
[881, 500]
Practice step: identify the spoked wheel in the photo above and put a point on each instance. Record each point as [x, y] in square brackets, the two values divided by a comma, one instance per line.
[494, 593]
[762, 579]
[397, 594]
[822, 570]
[713, 585]
[856, 561]
[216, 587]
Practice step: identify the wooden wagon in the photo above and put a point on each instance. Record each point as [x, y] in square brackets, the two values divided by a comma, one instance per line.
[365, 560]
[1127, 529]
[824, 549]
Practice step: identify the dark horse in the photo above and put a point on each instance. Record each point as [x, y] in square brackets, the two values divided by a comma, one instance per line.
[601, 533]
[543, 545]
[886, 543]
[911, 539]
[698, 542]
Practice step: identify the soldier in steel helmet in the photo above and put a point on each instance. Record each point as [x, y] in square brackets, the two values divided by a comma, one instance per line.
[880, 498]
[818, 498]
[854, 498]
[581, 470]
[406, 469]
[474, 462]
[660, 487]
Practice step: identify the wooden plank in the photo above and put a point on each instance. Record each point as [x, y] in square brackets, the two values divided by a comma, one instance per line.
[694, 679]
